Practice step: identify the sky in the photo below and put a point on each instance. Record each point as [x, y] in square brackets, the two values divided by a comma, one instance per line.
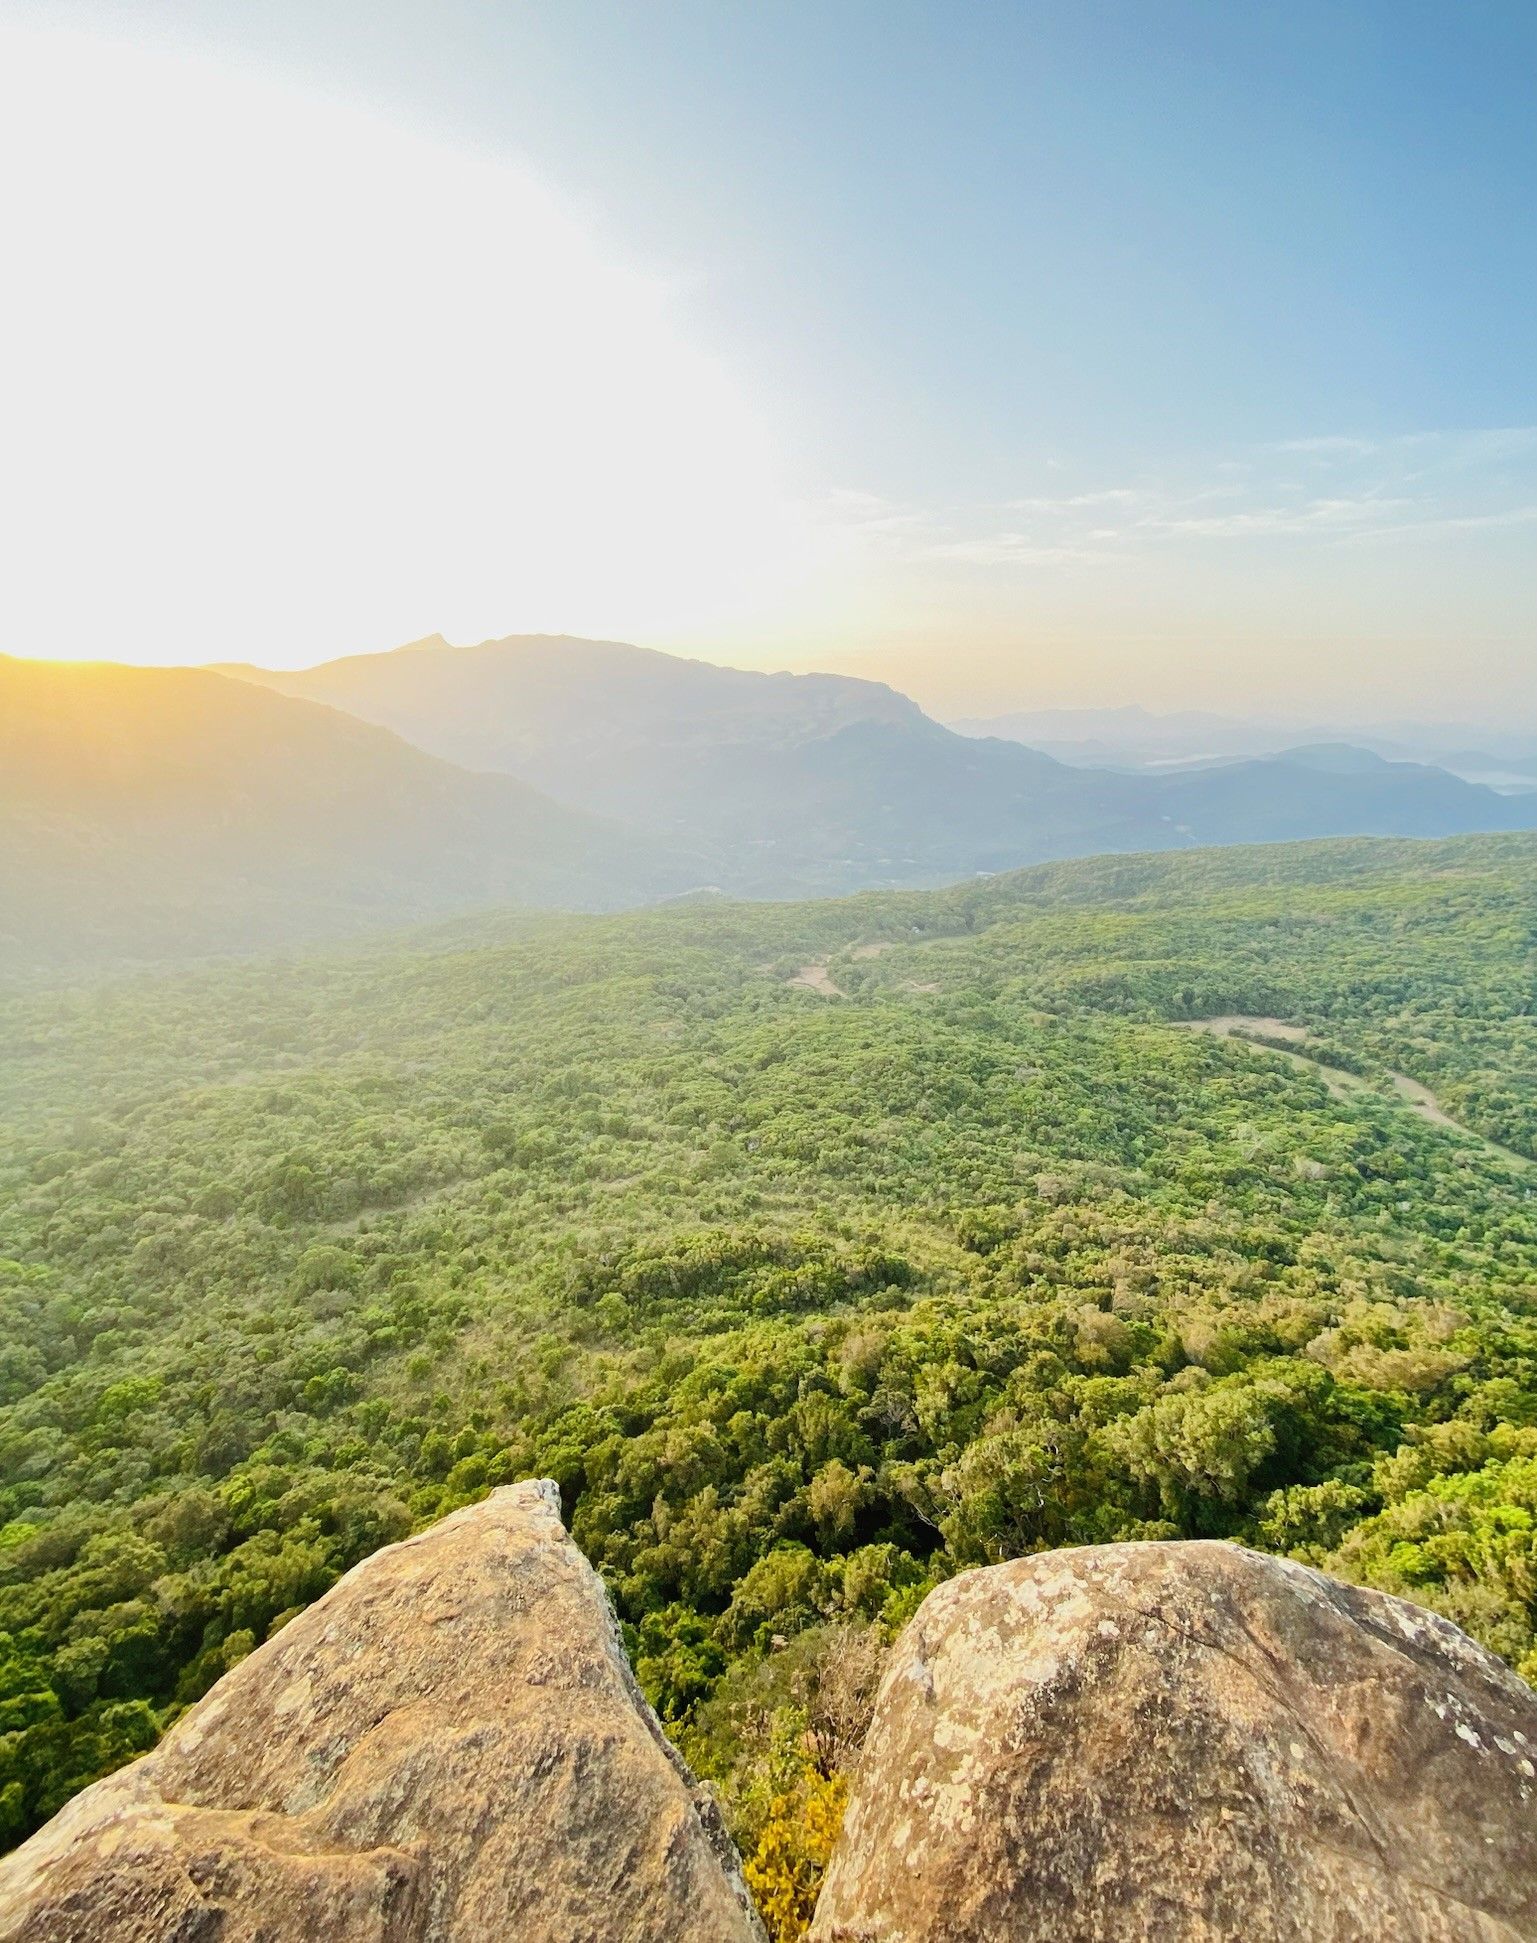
[1024, 355]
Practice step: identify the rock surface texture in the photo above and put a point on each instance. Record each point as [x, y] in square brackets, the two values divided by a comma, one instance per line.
[449, 1745]
[1187, 1741]
[1180, 1741]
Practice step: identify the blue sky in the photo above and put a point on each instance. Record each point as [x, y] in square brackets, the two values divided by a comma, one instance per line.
[1162, 352]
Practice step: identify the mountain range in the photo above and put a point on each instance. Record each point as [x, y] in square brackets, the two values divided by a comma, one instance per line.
[803, 783]
[147, 813]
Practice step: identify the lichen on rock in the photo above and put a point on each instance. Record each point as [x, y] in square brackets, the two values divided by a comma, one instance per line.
[1187, 1741]
[1143, 1741]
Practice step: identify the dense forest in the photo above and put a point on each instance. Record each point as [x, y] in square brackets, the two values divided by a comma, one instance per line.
[818, 1251]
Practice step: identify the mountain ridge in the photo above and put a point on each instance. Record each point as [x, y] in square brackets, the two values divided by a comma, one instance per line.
[808, 783]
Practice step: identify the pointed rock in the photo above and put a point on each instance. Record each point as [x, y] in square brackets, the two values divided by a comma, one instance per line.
[448, 1746]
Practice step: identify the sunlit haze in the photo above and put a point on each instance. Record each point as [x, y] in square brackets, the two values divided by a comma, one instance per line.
[308, 354]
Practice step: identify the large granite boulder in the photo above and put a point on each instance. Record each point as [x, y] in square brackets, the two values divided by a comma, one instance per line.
[448, 1745]
[1187, 1741]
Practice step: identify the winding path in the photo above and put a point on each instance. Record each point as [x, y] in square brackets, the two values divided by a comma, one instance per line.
[1419, 1098]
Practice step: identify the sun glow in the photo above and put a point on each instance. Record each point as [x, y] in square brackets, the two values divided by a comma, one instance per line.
[284, 380]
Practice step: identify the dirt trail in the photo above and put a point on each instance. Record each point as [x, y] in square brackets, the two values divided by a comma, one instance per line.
[1420, 1099]
[1424, 1101]
[1235, 1025]
[816, 977]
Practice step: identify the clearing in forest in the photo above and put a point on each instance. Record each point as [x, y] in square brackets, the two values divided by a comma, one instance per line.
[816, 978]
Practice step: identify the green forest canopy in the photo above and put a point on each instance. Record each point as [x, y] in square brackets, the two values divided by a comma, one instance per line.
[806, 1299]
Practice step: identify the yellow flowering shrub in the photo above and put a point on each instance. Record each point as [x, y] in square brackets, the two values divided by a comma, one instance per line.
[785, 1870]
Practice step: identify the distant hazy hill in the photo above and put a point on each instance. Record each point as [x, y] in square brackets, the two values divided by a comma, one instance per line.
[815, 782]
[1129, 735]
[1346, 759]
[153, 812]
[1333, 790]
[1138, 738]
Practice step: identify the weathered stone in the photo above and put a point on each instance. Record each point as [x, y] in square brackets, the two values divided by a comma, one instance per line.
[448, 1745]
[1187, 1741]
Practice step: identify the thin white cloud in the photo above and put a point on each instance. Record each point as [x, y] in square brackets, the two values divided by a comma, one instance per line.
[1308, 516]
[1075, 502]
[1426, 483]
[1330, 445]
[1483, 445]
[1459, 523]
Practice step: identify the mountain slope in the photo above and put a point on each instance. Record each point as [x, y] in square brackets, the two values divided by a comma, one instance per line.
[147, 812]
[800, 783]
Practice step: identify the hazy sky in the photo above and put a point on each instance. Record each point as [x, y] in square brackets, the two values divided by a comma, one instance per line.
[1025, 354]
